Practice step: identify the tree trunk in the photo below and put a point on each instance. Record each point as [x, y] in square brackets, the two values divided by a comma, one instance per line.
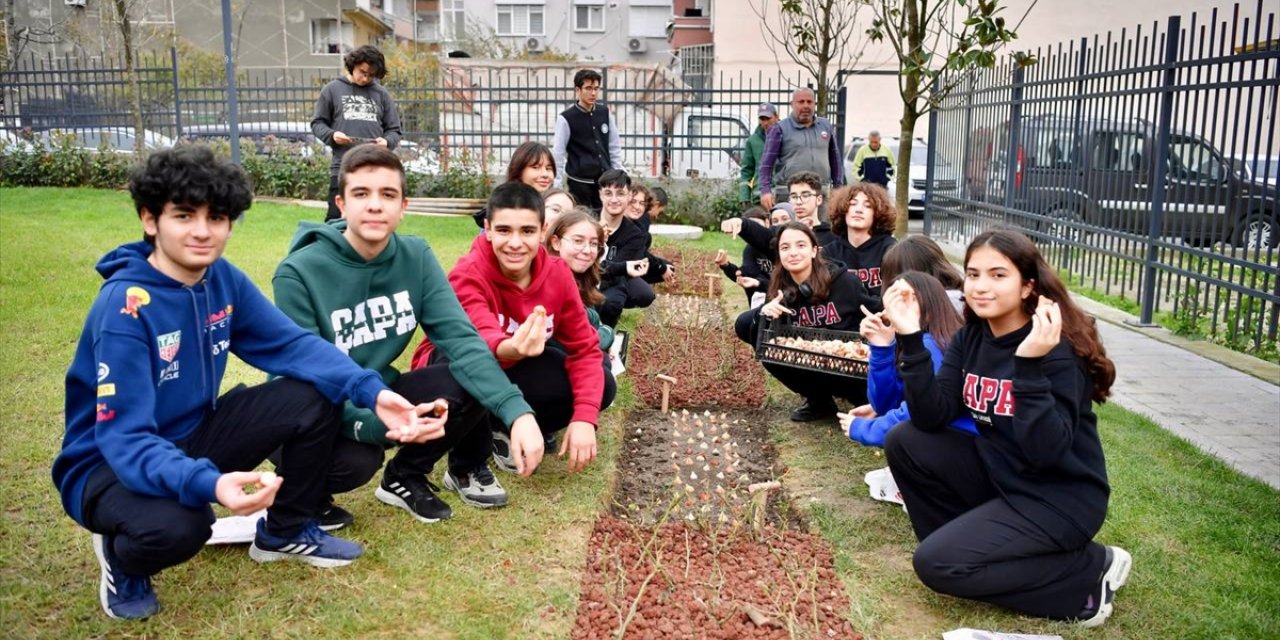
[131, 72]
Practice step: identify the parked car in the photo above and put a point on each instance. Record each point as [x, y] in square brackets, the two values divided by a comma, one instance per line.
[945, 176]
[11, 142]
[1265, 169]
[1099, 172]
[114, 139]
[269, 137]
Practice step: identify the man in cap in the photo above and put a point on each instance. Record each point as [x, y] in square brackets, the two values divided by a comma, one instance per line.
[749, 181]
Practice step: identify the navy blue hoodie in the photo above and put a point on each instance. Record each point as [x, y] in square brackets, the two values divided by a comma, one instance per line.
[149, 365]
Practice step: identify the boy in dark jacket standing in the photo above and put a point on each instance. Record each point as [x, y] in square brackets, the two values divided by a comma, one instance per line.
[353, 110]
[149, 443]
[365, 288]
[586, 142]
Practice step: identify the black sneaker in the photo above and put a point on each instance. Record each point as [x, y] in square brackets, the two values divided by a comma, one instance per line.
[549, 443]
[502, 452]
[414, 494]
[478, 488]
[814, 410]
[1116, 572]
[335, 517]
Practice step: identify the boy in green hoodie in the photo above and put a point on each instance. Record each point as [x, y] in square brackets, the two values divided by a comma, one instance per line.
[358, 284]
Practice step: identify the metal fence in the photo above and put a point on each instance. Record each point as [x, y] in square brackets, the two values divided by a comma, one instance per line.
[1143, 162]
[466, 110]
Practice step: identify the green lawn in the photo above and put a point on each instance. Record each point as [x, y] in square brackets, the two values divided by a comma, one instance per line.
[1206, 540]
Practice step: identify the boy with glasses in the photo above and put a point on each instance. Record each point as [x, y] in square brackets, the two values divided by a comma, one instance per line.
[626, 262]
[805, 191]
[586, 142]
[527, 308]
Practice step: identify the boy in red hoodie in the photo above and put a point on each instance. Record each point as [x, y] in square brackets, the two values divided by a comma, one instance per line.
[526, 306]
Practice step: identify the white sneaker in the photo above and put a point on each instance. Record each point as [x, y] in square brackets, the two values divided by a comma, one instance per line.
[883, 487]
[502, 457]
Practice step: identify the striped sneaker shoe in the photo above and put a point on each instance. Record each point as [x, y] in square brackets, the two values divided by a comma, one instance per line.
[312, 545]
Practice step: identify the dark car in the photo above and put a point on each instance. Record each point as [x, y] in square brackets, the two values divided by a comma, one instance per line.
[1100, 172]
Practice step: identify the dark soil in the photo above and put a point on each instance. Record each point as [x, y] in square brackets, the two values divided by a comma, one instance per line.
[696, 467]
[713, 368]
[676, 581]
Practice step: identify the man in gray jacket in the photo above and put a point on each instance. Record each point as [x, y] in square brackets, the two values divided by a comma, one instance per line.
[353, 110]
[802, 142]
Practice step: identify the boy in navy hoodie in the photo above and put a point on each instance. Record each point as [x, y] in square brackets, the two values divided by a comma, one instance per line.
[149, 443]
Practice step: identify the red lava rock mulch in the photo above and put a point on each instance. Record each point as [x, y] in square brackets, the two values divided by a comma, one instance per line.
[678, 581]
[691, 264]
[713, 367]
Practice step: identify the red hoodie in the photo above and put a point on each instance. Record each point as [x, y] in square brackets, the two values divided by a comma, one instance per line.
[497, 307]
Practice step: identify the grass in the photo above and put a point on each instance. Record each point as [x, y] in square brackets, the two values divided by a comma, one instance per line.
[1205, 539]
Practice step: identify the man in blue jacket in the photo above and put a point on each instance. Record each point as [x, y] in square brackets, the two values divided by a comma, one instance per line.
[149, 443]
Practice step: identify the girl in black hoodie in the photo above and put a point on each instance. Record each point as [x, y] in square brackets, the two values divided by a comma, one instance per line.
[862, 221]
[1008, 517]
[808, 291]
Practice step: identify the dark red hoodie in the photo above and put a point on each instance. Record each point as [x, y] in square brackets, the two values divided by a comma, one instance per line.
[497, 307]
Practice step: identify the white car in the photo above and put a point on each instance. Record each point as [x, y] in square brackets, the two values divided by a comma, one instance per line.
[945, 177]
[115, 139]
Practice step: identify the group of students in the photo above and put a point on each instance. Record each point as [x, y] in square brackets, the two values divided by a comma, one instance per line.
[980, 384]
[514, 358]
[980, 391]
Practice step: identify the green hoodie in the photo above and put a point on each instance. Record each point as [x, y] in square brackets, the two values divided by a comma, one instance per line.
[369, 309]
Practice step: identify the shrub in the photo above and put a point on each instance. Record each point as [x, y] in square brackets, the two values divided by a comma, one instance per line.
[702, 203]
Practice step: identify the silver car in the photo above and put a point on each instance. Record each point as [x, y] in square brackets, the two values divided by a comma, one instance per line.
[945, 176]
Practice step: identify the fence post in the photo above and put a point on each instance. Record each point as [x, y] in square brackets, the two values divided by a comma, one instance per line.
[1015, 139]
[1160, 179]
[841, 104]
[233, 108]
[177, 101]
[933, 160]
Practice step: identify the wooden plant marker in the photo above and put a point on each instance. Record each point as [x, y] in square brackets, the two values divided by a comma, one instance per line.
[711, 284]
[667, 381]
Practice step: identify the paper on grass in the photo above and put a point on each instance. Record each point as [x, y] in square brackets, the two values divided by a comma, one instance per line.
[236, 529]
[981, 634]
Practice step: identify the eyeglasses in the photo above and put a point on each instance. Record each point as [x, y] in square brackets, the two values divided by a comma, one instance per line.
[803, 195]
[577, 245]
[609, 194]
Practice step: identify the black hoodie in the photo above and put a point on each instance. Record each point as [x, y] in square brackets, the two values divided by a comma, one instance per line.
[625, 244]
[1039, 438]
[841, 310]
[864, 259]
[761, 238]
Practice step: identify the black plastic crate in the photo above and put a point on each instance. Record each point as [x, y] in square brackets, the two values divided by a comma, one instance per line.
[802, 359]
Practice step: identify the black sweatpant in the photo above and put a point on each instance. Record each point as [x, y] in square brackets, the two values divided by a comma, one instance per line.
[149, 534]
[974, 544]
[333, 213]
[631, 293]
[355, 463]
[586, 194]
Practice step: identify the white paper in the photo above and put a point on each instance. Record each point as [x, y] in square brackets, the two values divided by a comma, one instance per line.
[980, 634]
[236, 529]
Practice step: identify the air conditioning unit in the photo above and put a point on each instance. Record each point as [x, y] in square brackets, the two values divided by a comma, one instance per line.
[637, 45]
[534, 45]
[74, 3]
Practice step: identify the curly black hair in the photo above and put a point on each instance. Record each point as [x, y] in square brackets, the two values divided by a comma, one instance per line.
[370, 54]
[190, 174]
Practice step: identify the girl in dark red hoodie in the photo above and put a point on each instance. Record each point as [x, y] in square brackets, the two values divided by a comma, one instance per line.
[526, 306]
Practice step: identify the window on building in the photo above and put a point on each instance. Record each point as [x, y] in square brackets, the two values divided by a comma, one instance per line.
[646, 19]
[453, 20]
[325, 36]
[588, 15]
[429, 27]
[520, 20]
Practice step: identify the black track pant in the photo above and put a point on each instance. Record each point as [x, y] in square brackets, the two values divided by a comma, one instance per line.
[631, 293]
[974, 544]
[333, 213]
[150, 533]
[586, 194]
[355, 463]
